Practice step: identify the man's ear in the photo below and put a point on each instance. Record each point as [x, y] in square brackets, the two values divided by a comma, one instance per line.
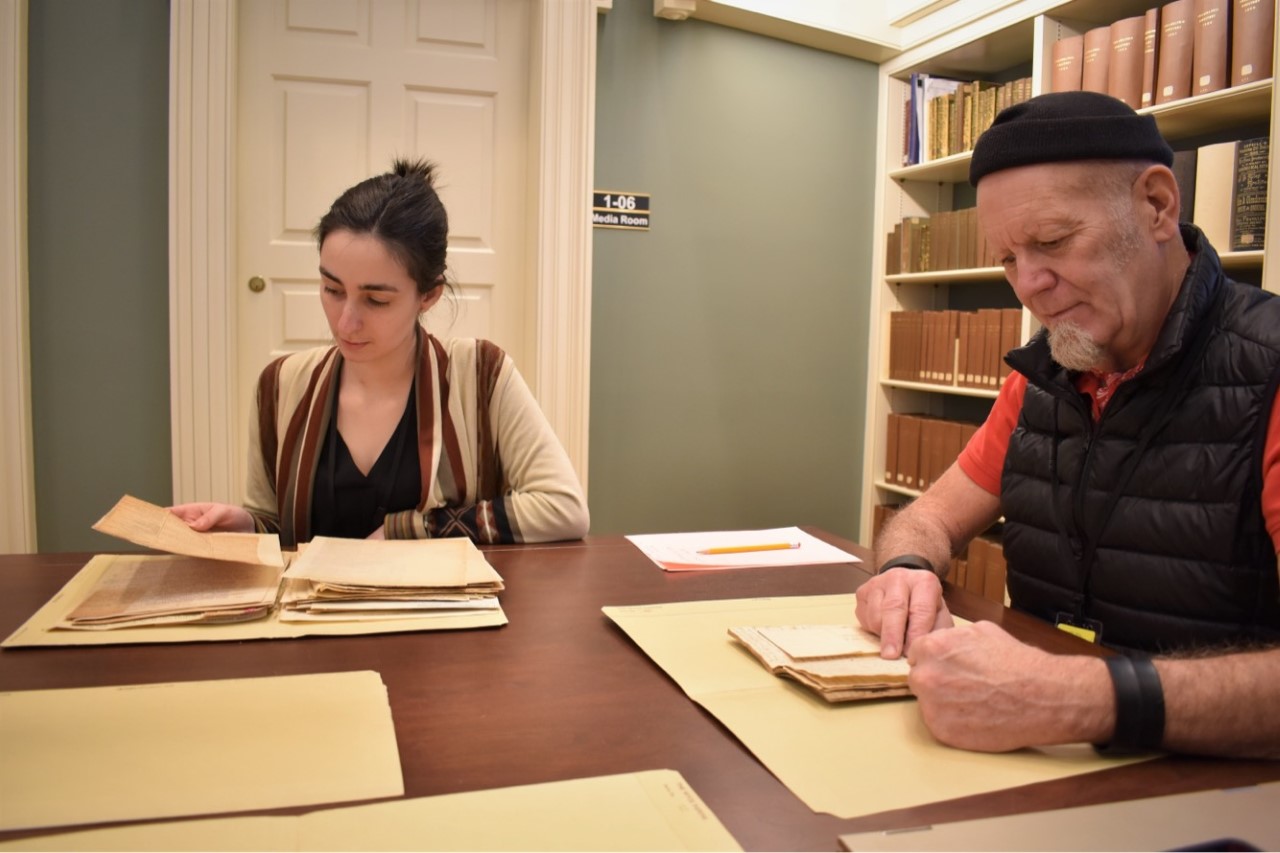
[1156, 195]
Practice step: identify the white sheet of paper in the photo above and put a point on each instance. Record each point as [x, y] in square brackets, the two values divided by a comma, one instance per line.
[675, 552]
[87, 755]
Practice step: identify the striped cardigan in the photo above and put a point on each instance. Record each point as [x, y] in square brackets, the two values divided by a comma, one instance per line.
[492, 468]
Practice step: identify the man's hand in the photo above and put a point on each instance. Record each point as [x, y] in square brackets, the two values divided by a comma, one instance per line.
[901, 606]
[978, 688]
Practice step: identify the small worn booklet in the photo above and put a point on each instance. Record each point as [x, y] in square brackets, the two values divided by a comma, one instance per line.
[207, 578]
[841, 663]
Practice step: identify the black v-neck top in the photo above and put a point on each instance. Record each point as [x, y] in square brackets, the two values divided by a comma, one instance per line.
[345, 502]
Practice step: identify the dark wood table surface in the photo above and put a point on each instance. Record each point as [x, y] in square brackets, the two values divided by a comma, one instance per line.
[562, 693]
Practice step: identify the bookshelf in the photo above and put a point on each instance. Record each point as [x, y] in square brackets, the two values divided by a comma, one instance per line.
[1012, 41]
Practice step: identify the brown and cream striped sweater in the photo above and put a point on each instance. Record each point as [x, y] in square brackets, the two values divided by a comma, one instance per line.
[492, 468]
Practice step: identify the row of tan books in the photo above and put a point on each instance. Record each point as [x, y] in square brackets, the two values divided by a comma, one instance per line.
[945, 116]
[1174, 51]
[947, 240]
[979, 568]
[1224, 191]
[960, 348]
[919, 448]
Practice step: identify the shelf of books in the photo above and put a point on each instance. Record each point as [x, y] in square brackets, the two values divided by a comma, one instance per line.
[942, 313]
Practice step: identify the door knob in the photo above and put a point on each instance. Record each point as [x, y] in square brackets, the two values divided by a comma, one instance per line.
[257, 284]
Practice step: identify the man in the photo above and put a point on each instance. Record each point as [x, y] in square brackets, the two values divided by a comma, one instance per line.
[1132, 453]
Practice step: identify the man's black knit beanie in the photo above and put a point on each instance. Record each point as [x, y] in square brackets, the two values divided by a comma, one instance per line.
[1064, 126]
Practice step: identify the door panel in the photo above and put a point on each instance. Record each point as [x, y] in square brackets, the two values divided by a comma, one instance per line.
[330, 91]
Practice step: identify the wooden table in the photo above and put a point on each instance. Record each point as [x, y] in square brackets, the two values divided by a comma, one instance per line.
[562, 693]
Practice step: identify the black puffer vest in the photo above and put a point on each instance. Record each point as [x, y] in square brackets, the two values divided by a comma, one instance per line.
[1150, 521]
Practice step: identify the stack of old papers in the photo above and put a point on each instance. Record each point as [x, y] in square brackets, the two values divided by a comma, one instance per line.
[354, 579]
[208, 578]
[840, 663]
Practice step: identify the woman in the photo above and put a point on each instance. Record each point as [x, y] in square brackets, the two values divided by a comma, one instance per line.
[391, 432]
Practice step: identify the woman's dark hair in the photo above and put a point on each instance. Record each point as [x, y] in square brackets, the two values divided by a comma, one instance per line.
[402, 210]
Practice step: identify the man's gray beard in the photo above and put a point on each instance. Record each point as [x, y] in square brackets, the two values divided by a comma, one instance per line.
[1073, 348]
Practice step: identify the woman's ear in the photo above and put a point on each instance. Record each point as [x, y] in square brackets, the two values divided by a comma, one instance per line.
[431, 297]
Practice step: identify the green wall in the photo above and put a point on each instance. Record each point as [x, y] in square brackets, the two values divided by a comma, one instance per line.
[728, 346]
[98, 250]
[729, 355]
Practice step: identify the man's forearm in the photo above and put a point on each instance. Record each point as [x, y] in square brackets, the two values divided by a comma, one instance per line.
[914, 532]
[1224, 705]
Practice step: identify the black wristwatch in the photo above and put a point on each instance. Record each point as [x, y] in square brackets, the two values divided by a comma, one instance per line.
[906, 561]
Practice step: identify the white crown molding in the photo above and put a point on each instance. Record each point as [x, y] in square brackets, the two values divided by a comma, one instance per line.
[17, 486]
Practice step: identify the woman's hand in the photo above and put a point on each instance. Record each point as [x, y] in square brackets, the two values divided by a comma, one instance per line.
[215, 517]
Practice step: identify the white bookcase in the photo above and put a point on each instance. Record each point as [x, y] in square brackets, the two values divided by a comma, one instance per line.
[1014, 40]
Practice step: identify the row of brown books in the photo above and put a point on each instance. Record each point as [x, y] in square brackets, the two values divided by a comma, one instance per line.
[947, 240]
[1173, 51]
[1224, 191]
[982, 569]
[919, 448]
[979, 568]
[948, 347]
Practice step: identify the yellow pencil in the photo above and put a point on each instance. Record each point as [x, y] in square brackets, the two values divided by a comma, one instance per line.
[746, 549]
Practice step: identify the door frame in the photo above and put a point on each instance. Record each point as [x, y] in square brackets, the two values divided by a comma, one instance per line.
[202, 334]
[17, 459]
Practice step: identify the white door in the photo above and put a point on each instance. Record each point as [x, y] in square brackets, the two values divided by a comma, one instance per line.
[330, 92]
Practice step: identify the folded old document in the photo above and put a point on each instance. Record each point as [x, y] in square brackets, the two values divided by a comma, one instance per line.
[152, 526]
[840, 663]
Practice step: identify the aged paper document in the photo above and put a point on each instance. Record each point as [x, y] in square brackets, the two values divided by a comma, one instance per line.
[43, 628]
[848, 759]
[152, 526]
[93, 754]
[139, 591]
[650, 810]
[346, 579]
[841, 663]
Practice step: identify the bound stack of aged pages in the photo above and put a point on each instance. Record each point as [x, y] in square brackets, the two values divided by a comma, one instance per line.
[206, 579]
[345, 579]
[841, 663]
[215, 578]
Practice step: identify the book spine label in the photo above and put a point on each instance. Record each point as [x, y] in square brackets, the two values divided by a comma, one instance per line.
[1173, 74]
[1150, 55]
[1249, 201]
[1212, 37]
[1253, 25]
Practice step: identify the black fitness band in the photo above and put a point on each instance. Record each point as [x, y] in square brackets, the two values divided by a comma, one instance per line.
[906, 561]
[1139, 707]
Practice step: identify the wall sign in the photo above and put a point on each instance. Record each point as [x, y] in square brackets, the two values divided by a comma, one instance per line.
[628, 211]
